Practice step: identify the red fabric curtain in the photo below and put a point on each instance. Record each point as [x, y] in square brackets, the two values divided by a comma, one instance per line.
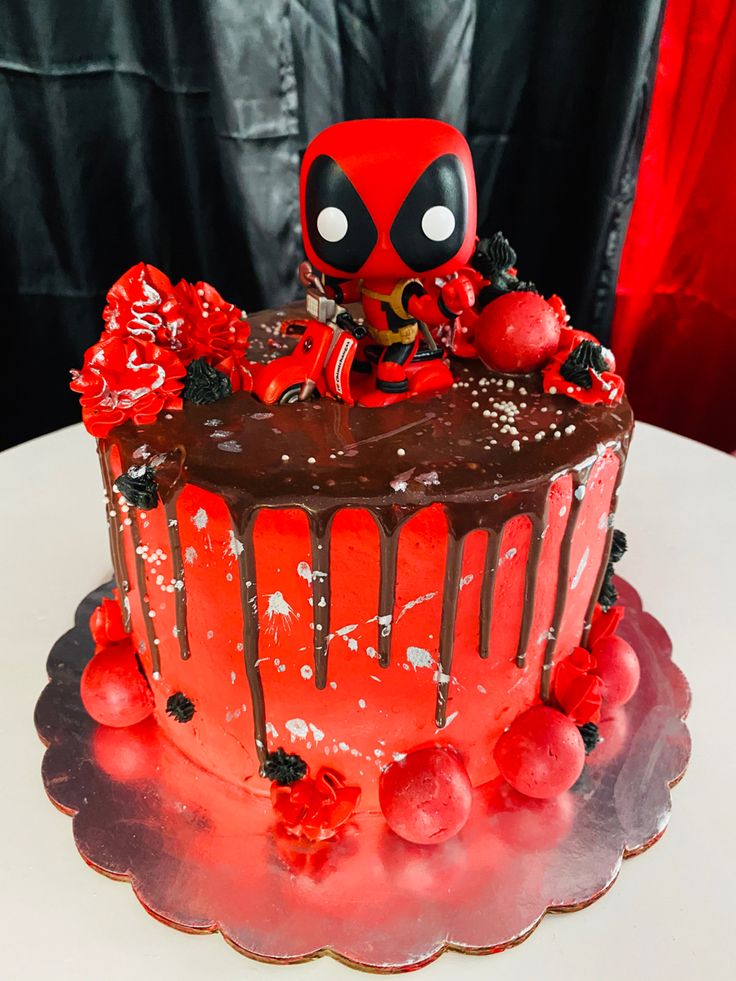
[674, 330]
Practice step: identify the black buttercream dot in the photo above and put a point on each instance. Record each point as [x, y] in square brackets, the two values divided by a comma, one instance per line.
[205, 384]
[138, 486]
[586, 357]
[179, 707]
[591, 736]
[283, 768]
[618, 545]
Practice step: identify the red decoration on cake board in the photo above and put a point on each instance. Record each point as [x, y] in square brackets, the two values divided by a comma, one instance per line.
[426, 796]
[315, 807]
[618, 668]
[541, 754]
[576, 687]
[204, 856]
[113, 688]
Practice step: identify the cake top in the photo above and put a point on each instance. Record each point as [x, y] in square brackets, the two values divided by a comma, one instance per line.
[487, 434]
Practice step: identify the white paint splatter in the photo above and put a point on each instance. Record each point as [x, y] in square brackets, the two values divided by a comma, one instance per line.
[465, 581]
[415, 602]
[234, 546]
[317, 733]
[401, 481]
[190, 555]
[509, 555]
[279, 614]
[200, 519]
[298, 729]
[306, 672]
[580, 568]
[430, 479]
[230, 446]
[304, 572]
[418, 657]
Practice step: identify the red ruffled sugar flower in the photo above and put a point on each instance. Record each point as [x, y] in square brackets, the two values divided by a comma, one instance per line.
[215, 330]
[577, 688]
[144, 304]
[106, 623]
[124, 377]
[605, 624]
[583, 370]
[315, 807]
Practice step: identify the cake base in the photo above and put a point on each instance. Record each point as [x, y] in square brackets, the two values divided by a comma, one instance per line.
[202, 855]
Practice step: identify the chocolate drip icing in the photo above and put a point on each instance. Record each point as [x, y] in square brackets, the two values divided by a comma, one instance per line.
[140, 569]
[180, 593]
[450, 593]
[486, 597]
[561, 590]
[530, 582]
[249, 606]
[319, 531]
[389, 521]
[117, 550]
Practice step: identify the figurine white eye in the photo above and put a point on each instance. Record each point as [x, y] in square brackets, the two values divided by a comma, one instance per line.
[332, 224]
[438, 223]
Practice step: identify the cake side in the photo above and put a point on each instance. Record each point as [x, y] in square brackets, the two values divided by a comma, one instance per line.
[353, 584]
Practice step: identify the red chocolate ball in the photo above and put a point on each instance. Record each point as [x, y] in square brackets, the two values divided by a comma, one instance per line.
[426, 797]
[518, 332]
[541, 754]
[113, 688]
[618, 668]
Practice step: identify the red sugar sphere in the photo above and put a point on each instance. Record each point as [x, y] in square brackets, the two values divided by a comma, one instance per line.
[541, 754]
[518, 332]
[426, 797]
[113, 689]
[618, 668]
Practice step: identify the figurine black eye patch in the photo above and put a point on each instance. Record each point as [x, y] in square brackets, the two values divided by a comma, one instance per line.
[340, 228]
[430, 225]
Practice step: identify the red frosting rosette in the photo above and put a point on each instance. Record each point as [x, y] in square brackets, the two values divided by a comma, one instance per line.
[605, 624]
[143, 304]
[125, 377]
[577, 688]
[106, 623]
[315, 807]
[602, 385]
[153, 330]
[215, 330]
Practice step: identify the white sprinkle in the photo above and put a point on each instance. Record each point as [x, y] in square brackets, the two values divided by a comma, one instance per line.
[310, 459]
[401, 451]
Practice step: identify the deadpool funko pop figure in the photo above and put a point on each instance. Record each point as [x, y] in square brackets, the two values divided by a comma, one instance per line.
[388, 205]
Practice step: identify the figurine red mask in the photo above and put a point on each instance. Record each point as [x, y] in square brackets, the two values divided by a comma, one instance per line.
[386, 204]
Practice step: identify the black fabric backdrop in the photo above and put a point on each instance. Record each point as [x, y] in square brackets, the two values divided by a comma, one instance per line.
[172, 132]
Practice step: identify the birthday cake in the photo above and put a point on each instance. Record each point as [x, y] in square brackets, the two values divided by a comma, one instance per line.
[363, 546]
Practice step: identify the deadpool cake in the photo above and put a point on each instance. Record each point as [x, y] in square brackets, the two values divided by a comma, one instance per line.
[363, 546]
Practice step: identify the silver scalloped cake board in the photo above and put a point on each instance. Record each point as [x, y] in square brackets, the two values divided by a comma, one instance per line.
[202, 855]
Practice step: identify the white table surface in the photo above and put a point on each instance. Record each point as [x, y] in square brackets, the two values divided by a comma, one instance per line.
[669, 915]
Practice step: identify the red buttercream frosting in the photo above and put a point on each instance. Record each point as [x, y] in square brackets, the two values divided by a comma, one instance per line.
[106, 623]
[315, 807]
[605, 623]
[577, 688]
